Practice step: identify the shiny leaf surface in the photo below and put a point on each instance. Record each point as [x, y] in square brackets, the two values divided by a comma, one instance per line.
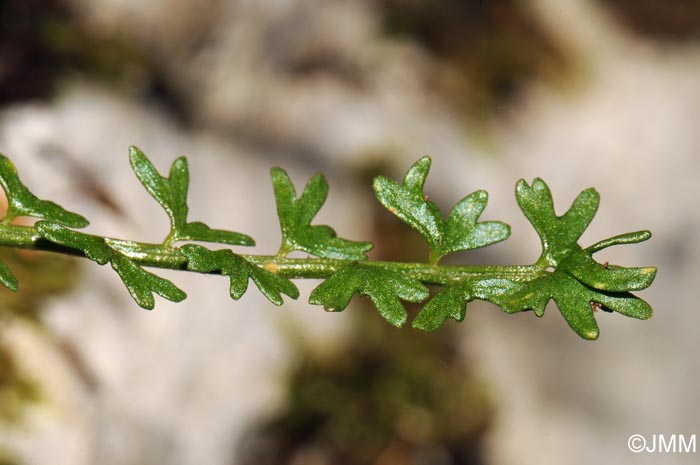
[295, 216]
[239, 270]
[461, 230]
[171, 194]
[385, 288]
[451, 301]
[21, 202]
[142, 285]
[94, 247]
[7, 278]
[559, 234]
[575, 301]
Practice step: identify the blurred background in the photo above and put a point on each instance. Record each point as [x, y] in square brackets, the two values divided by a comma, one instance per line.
[579, 92]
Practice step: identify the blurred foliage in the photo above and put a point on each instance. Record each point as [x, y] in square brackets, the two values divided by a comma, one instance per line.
[488, 50]
[672, 20]
[42, 276]
[16, 389]
[43, 41]
[7, 459]
[26, 45]
[384, 397]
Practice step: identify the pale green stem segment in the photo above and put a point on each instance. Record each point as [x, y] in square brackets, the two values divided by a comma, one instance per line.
[159, 256]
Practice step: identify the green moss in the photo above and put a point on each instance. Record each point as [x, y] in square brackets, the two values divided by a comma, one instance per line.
[378, 391]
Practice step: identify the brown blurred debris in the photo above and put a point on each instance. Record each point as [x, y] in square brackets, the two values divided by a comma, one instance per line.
[489, 50]
[669, 21]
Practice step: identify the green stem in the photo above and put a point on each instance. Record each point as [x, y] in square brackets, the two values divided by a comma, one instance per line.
[158, 256]
[434, 257]
[426, 273]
